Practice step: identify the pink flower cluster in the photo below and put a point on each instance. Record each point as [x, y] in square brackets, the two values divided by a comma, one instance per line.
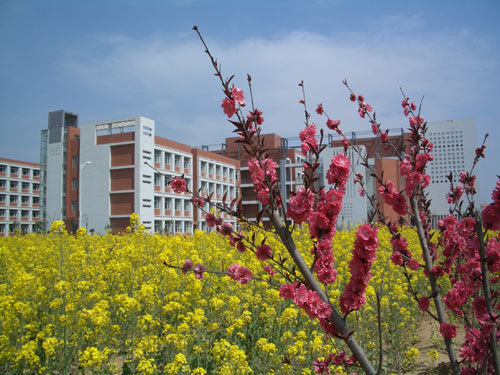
[394, 198]
[321, 366]
[308, 300]
[178, 184]
[263, 175]
[263, 252]
[338, 172]
[239, 273]
[363, 108]
[491, 213]
[365, 247]
[198, 269]
[300, 205]
[229, 103]
[308, 138]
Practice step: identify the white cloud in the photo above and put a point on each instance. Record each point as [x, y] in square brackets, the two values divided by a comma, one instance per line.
[173, 79]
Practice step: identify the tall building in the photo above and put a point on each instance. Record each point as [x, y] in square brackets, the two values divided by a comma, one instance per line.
[97, 175]
[19, 196]
[59, 163]
[455, 142]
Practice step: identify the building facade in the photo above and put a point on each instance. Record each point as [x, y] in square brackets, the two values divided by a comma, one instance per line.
[19, 196]
[455, 142]
[121, 167]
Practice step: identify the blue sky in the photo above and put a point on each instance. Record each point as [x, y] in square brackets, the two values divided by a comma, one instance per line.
[113, 59]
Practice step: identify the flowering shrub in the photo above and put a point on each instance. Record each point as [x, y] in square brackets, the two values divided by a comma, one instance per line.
[465, 241]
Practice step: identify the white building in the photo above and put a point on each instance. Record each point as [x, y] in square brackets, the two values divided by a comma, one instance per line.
[19, 196]
[455, 142]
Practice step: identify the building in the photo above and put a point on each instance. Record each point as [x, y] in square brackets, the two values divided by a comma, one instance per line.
[455, 142]
[112, 169]
[59, 167]
[19, 196]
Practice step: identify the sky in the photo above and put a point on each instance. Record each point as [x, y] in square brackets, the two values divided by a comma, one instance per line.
[108, 60]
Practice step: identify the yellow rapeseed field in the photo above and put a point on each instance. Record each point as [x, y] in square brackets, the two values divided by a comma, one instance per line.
[89, 304]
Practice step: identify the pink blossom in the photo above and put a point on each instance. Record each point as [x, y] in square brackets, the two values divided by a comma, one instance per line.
[491, 216]
[375, 130]
[300, 205]
[256, 116]
[188, 264]
[178, 184]
[198, 271]
[332, 124]
[239, 273]
[210, 219]
[225, 229]
[423, 303]
[308, 138]
[383, 136]
[413, 264]
[338, 173]
[238, 96]
[241, 247]
[448, 331]
[396, 258]
[264, 252]
[229, 107]
[352, 97]
[269, 270]
[319, 109]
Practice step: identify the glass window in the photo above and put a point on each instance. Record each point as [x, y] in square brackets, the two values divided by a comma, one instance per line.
[157, 179]
[177, 204]
[74, 206]
[3, 168]
[74, 184]
[74, 160]
[36, 200]
[157, 202]
[157, 156]
[3, 183]
[14, 170]
[177, 160]
[36, 173]
[26, 172]
[168, 158]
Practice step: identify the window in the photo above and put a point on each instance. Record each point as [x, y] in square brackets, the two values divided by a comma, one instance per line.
[2, 197]
[217, 170]
[25, 199]
[25, 213]
[177, 204]
[178, 226]
[35, 214]
[14, 170]
[13, 184]
[2, 213]
[177, 160]
[203, 187]
[188, 183]
[168, 204]
[211, 168]
[168, 158]
[36, 200]
[187, 205]
[157, 156]
[36, 173]
[3, 168]
[74, 161]
[158, 226]
[3, 183]
[168, 226]
[217, 189]
[187, 227]
[74, 206]
[26, 172]
[157, 202]
[13, 199]
[25, 186]
[13, 213]
[157, 179]
[36, 187]
[74, 184]
[203, 167]
[186, 163]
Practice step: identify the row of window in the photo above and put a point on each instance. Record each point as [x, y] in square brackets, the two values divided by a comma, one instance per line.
[212, 187]
[217, 170]
[25, 214]
[11, 228]
[24, 199]
[162, 180]
[26, 172]
[172, 227]
[169, 158]
[176, 203]
[19, 184]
